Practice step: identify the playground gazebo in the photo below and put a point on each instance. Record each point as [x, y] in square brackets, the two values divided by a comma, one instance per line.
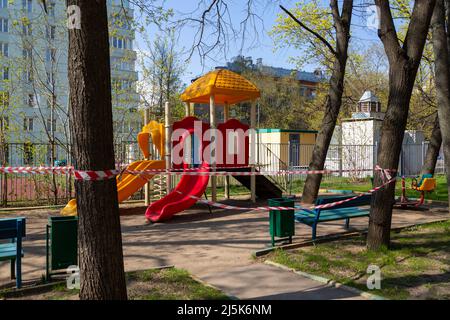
[222, 87]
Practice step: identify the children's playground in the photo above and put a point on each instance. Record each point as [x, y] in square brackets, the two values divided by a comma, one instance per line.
[219, 239]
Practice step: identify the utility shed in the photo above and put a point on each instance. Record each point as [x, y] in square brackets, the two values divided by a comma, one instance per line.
[290, 148]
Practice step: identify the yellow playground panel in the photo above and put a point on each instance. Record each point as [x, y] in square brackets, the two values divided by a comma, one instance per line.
[128, 184]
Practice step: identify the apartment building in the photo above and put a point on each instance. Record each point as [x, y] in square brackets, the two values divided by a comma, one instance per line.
[34, 79]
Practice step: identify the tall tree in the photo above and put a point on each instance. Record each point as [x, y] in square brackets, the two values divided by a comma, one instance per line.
[434, 148]
[442, 66]
[99, 235]
[404, 62]
[339, 53]
[162, 69]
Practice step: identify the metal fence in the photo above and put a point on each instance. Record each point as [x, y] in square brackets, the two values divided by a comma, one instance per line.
[29, 190]
[32, 190]
[348, 161]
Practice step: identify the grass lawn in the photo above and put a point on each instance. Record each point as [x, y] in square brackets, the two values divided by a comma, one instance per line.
[440, 194]
[416, 267]
[166, 284]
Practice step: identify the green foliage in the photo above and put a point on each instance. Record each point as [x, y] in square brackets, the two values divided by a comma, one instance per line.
[287, 32]
[162, 69]
[281, 104]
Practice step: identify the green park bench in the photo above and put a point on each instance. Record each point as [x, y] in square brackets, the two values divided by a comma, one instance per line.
[346, 211]
[13, 230]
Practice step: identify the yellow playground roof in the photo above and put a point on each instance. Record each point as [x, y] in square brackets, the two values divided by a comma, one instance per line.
[226, 86]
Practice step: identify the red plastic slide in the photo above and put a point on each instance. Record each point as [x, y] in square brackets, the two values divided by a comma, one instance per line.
[179, 199]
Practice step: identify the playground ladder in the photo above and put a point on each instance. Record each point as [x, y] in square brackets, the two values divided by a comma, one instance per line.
[159, 187]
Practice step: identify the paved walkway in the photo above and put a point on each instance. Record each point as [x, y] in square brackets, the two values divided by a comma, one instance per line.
[208, 246]
[264, 282]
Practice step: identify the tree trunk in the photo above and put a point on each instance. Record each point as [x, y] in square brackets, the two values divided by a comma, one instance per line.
[429, 166]
[323, 140]
[442, 66]
[333, 102]
[99, 235]
[403, 65]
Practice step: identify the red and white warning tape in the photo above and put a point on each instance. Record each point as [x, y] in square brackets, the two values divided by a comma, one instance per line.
[372, 191]
[110, 174]
[36, 170]
[96, 175]
[325, 206]
[240, 173]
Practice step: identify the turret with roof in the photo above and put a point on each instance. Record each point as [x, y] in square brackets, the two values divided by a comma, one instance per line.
[369, 106]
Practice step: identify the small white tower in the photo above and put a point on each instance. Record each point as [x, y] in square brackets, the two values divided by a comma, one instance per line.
[369, 106]
[360, 136]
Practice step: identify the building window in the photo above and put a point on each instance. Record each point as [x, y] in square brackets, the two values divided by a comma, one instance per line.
[27, 75]
[4, 25]
[4, 123]
[51, 55]
[5, 73]
[121, 43]
[4, 49]
[28, 124]
[4, 99]
[26, 29]
[31, 101]
[3, 3]
[27, 53]
[27, 5]
[51, 32]
[50, 102]
[51, 125]
[51, 8]
[28, 153]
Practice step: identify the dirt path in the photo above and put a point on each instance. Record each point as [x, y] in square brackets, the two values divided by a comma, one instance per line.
[202, 243]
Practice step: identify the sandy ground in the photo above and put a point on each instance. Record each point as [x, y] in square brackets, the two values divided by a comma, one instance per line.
[195, 240]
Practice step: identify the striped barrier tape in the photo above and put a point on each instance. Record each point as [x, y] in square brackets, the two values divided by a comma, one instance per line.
[109, 174]
[239, 173]
[325, 206]
[36, 170]
[372, 191]
[96, 175]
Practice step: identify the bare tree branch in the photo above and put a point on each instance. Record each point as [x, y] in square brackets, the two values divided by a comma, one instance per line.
[318, 36]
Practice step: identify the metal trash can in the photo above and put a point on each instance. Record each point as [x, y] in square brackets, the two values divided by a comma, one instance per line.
[62, 246]
[60, 163]
[282, 222]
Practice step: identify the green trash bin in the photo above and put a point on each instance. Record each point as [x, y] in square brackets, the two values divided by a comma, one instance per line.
[62, 246]
[282, 222]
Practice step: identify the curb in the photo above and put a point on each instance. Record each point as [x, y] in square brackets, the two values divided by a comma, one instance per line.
[231, 297]
[326, 281]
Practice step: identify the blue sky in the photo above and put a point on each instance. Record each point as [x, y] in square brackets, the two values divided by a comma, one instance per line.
[264, 48]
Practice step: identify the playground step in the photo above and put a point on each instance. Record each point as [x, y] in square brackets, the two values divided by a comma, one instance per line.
[159, 189]
[265, 188]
